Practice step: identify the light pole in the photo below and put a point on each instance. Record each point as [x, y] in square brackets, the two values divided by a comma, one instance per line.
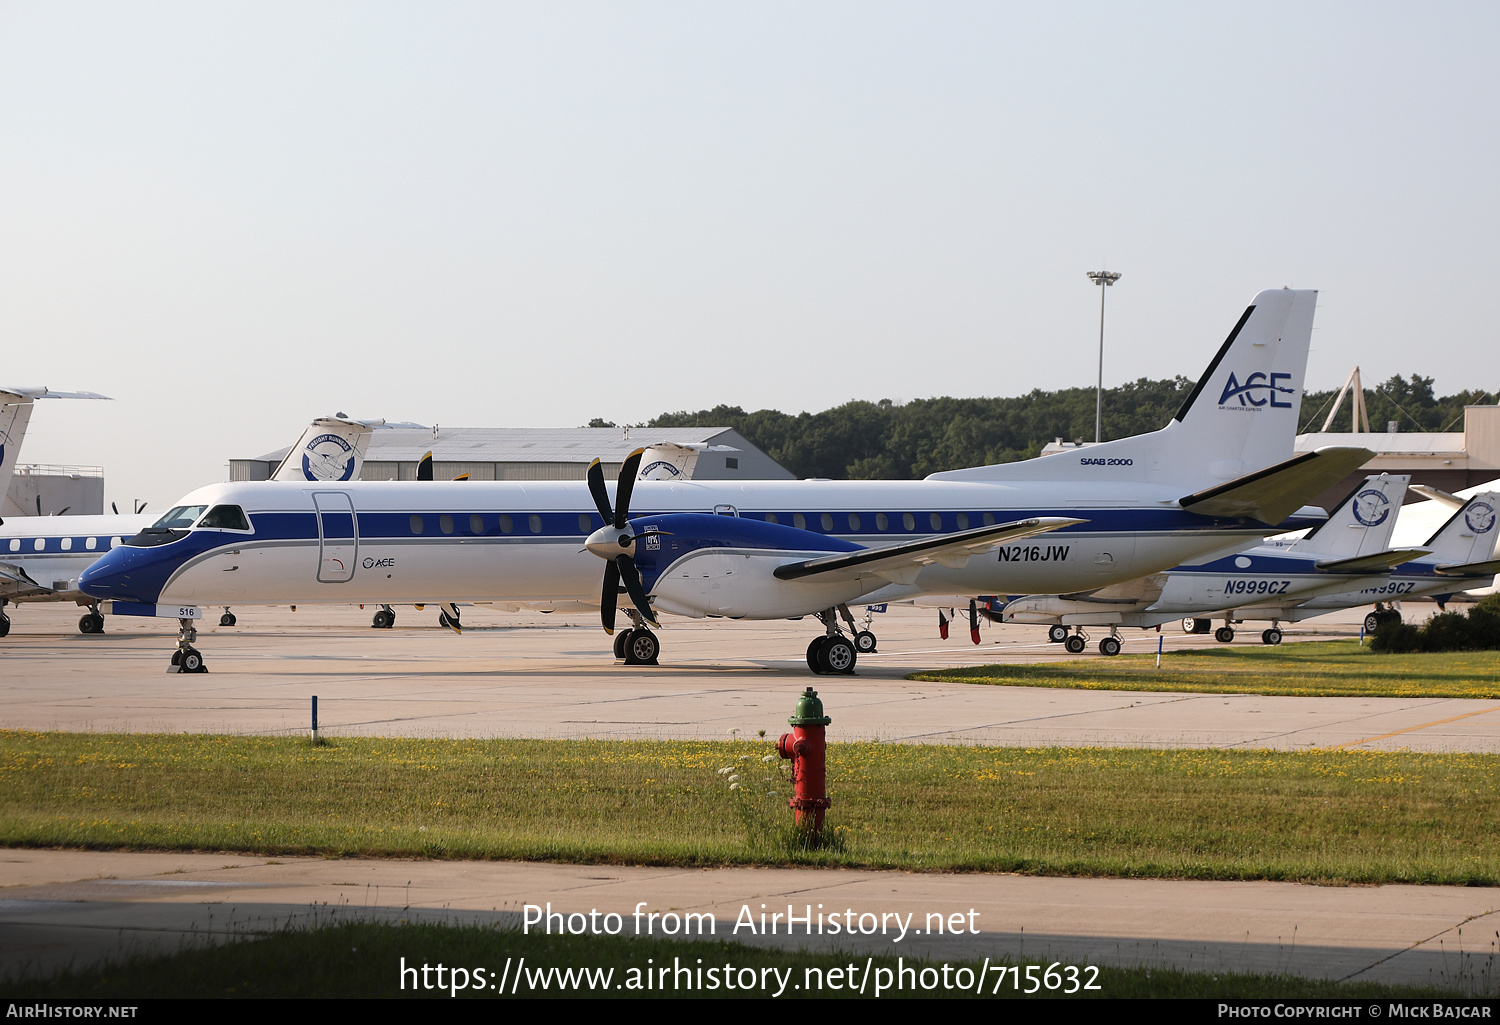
[1102, 278]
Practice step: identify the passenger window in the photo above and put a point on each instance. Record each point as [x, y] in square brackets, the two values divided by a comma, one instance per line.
[799, 521]
[854, 521]
[40, 543]
[226, 517]
[416, 524]
[882, 521]
[989, 519]
[506, 526]
[15, 544]
[908, 521]
[535, 523]
[963, 521]
[445, 523]
[115, 542]
[583, 524]
[936, 520]
[91, 543]
[67, 544]
[771, 518]
[476, 523]
[826, 520]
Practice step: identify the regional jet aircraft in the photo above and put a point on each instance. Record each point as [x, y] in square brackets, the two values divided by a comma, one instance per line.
[1215, 479]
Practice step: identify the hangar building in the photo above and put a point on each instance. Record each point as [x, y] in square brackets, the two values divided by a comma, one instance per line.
[535, 453]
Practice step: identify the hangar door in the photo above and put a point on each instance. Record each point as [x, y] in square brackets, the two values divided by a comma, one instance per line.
[338, 537]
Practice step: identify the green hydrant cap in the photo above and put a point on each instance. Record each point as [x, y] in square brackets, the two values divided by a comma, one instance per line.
[809, 711]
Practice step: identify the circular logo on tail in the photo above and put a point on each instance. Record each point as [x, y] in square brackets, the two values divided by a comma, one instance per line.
[1371, 507]
[660, 470]
[328, 457]
[1480, 517]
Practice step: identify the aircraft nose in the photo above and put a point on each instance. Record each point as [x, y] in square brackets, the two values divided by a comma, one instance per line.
[102, 579]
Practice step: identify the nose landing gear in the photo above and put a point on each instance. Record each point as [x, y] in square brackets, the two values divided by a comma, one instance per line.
[187, 659]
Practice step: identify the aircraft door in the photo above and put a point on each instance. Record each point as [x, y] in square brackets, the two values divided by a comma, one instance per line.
[338, 537]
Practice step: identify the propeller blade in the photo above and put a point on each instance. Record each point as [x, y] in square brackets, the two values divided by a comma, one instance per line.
[610, 597]
[942, 624]
[424, 468]
[628, 472]
[462, 476]
[974, 620]
[39, 506]
[633, 585]
[601, 496]
[116, 508]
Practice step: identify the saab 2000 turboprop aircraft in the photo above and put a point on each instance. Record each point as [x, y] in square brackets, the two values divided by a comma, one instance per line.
[1215, 479]
[1347, 550]
[42, 557]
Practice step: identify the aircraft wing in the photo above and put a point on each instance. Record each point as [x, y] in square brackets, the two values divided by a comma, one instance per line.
[1469, 569]
[1131, 592]
[1273, 494]
[14, 583]
[901, 563]
[1375, 563]
[1438, 495]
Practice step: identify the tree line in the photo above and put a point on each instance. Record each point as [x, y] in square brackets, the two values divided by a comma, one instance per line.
[862, 440]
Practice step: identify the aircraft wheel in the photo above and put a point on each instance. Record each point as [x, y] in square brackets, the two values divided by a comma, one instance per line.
[383, 620]
[1390, 617]
[1189, 625]
[1372, 620]
[4, 624]
[642, 648]
[192, 661]
[227, 619]
[443, 619]
[622, 641]
[1109, 646]
[815, 654]
[1074, 644]
[838, 656]
[1057, 634]
[1271, 636]
[1223, 635]
[93, 623]
[864, 642]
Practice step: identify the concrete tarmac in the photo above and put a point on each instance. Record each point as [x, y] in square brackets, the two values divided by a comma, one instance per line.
[552, 676]
[527, 675]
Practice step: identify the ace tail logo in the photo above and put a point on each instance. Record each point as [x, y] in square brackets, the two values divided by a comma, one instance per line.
[1257, 391]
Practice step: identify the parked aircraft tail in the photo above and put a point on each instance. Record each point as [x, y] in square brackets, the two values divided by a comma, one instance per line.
[1240, 417]
[331, 449]
[1361, 524]
[15, 414]
[1469, 535]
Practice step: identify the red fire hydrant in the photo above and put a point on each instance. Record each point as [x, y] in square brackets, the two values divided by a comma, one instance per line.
[808, 750]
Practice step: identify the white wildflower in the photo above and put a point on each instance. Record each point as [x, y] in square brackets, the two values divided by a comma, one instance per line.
[768, 758]
[726, 770]
[735, 778]
[734, 786]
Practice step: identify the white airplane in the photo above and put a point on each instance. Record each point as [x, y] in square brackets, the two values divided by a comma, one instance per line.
[1348, 550]
[1215, 479]
[1461, 557]
[42, 557]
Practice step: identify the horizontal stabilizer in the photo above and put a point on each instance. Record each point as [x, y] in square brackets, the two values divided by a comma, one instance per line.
[1470, 569]
[906, 559]
[14, 583]
[1438, 495]
[1273, 494]
[1376, 563]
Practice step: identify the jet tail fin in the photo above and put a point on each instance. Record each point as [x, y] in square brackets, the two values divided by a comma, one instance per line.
[1469, 535]
[1361, 524]
[15, 414]
[1241, 416]
[331, 449]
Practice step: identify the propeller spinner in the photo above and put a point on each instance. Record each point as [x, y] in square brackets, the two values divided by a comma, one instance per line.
[614, 543]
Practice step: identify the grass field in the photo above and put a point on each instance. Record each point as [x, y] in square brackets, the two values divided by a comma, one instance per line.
[1311, 669]
[361, 960]
[1347, 816]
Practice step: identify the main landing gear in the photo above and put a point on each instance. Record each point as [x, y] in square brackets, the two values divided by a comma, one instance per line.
[1075, 643]
[1193, 625]
[833, 653]
[91, 622]
[187, 659]
[1057, 634]
[4, 619]
[637, 646]
[227, 619]
[384, 619]
[1381, 616]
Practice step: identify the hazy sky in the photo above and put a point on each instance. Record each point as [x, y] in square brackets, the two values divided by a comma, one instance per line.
[235, 217]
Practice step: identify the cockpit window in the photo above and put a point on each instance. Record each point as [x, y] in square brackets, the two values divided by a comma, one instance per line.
[179, 518]
[226, 517]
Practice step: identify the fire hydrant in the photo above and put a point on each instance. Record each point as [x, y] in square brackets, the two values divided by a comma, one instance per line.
[808, 750]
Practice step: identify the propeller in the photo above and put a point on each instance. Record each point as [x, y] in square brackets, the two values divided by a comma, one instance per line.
[613, 543]
[974, 620]
[424, 467]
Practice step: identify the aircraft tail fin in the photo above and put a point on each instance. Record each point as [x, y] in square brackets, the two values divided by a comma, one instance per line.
[1361, 524]
[1469, 535]
[331, 449]
[15, 414]
[1240, 417]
